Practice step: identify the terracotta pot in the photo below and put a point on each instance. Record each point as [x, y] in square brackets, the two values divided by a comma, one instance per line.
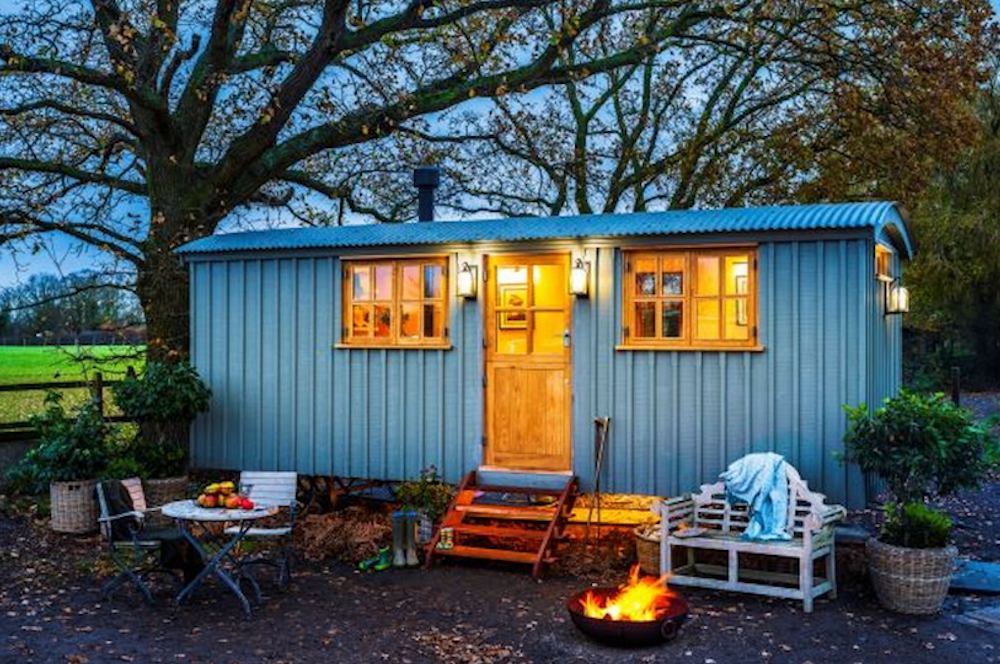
[913, 581]
[74, 506]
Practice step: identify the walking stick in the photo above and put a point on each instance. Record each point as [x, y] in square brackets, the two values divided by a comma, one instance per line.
[601, 427]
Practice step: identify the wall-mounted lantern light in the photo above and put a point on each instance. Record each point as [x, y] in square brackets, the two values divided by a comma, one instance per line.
[897, 298]
[579, 278]
[466, 282]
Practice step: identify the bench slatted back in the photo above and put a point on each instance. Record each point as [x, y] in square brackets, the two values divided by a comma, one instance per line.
[271, 487]
[713, 511]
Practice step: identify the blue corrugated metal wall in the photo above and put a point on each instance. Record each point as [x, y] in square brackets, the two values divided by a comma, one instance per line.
[283, 398]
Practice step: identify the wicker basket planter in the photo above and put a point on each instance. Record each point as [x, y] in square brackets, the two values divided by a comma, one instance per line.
[74, 506]
[913, 581]
[647, 548]
[166, 490]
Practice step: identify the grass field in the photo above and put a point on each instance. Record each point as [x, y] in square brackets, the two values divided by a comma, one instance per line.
[41, 364]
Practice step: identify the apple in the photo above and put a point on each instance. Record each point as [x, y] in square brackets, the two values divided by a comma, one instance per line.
[226, 488]
[212, 489]
[246, 504]
[210, 500]
[232, 502]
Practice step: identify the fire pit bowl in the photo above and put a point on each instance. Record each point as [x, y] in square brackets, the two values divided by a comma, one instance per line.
[625, 633]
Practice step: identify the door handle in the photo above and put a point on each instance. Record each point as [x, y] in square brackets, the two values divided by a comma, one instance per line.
[566, 338]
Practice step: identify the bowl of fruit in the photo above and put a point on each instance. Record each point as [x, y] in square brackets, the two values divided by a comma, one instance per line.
[223, 495]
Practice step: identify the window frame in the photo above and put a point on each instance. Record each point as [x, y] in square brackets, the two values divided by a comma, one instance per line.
[689, 297]
[394, 339]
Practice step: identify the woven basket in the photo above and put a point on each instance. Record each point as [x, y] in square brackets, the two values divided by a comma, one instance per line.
[74, 506]
[162, 491]
[913, 581]
[647, 548]
[166, 490]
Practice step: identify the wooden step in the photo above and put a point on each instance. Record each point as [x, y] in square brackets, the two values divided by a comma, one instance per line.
[523, 513]
[483, 553]
[498, 531]
[518, 490]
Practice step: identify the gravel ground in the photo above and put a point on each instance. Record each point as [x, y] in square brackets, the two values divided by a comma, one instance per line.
[51, 611]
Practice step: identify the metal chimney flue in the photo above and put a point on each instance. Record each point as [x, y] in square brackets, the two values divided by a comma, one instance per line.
[426, 180]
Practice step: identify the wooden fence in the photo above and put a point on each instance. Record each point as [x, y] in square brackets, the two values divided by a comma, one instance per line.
[24, 431]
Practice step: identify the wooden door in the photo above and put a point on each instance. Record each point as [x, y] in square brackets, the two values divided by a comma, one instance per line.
[528, 381]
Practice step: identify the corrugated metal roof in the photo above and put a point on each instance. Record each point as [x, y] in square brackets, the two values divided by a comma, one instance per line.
[875, 215]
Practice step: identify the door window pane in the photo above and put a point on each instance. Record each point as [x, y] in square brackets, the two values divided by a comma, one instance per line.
[411, 282]
[511, 340]
[645, 320]
[362, 283]
[673, 319]
[547, 332]
[361, 321]
[549, 284]
[645, 276]
[383, 282]
[383, 320]
[707, 319]
[737, 275]
[707, 277]
[409, 320]
[737, 325]
[433, 320]
[433, 276]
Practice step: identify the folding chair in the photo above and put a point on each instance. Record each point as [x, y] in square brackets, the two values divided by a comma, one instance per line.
[274, 489]
[131, 545]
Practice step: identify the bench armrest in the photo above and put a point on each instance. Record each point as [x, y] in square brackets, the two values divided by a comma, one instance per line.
[825, 516]
[674, 510]
[123, 515]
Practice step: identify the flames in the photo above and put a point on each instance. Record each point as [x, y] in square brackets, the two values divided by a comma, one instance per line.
[640, 600]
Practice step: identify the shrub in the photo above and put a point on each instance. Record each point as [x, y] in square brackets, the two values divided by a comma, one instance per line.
[163, 401]
[166, 392]
[916, 526]
[429, 493]
[70, 447]
[921, 445]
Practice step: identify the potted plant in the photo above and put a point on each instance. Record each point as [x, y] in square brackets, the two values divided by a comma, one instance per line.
[429, 496]
[163, 401]
[71, 453]
[922, 447]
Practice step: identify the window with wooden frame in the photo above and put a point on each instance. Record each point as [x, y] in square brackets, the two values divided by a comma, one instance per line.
[690, 299]
[883, 263]
[395, 302]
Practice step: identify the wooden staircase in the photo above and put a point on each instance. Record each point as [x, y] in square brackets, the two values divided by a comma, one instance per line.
[488, 525]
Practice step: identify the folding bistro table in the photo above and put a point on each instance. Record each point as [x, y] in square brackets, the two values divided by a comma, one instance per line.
[214, 547]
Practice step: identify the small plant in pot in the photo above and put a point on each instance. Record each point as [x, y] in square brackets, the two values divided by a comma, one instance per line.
[70, 454]
[923, 447]
[163, 400]
[429, 496]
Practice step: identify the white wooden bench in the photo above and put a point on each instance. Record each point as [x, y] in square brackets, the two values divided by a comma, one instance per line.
[810, 522]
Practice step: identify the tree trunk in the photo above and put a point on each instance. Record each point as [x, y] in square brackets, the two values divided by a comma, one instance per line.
[162, 285]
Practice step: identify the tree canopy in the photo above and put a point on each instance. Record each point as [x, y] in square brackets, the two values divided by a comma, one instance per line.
[136, 125]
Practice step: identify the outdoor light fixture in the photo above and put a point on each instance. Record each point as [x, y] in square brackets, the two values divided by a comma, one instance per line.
[579, 278]
[897, 298]
[465, 284]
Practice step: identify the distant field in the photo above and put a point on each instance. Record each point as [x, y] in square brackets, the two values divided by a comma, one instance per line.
[41, 364]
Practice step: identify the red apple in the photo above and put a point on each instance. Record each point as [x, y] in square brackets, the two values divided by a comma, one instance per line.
[209, 500]
[247, 504]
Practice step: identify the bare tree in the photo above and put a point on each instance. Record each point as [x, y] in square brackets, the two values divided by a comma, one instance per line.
[137, 125]
[775, 101]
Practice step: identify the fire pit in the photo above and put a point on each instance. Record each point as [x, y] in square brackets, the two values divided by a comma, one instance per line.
[642, 612]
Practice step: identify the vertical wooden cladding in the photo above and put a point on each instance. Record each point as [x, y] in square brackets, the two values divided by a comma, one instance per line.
[284, 399]
[679, 417]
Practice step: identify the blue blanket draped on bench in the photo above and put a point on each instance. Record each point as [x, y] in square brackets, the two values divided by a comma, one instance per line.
[759, 480]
